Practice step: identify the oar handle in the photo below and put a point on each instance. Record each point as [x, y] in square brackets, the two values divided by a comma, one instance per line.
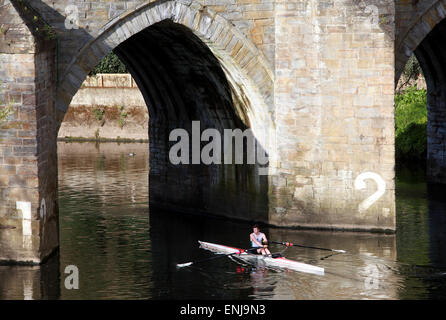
[287, 244]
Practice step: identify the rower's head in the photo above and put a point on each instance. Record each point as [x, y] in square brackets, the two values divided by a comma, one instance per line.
[256, 228]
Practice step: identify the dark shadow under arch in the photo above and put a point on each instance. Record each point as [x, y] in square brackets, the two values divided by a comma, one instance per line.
[182, 81]
[431, 54]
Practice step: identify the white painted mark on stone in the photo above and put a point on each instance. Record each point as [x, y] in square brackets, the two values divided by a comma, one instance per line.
[360, 185]
[25, 208]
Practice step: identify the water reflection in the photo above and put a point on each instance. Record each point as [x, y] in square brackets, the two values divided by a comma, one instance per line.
[421, 233]
[103, 200]
[124, 251]
[31, 282]
[437, 224]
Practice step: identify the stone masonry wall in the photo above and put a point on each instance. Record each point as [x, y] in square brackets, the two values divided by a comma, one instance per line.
[45, 66]
[28, 168]
[121, 112]
[334, 114]
[252, 17]
[18, 168]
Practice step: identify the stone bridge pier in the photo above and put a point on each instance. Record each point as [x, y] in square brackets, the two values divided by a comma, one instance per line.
[313, 80]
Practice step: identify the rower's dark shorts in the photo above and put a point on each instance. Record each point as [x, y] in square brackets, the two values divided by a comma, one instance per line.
[255, 251]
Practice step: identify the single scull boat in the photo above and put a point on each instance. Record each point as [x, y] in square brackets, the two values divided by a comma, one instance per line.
[273, 261]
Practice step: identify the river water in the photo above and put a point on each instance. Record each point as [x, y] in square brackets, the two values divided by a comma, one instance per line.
[123, 251]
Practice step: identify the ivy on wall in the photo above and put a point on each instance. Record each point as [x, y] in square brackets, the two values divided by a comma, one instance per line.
[110, 64]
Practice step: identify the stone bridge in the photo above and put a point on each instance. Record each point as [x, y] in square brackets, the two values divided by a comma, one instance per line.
[314, 81]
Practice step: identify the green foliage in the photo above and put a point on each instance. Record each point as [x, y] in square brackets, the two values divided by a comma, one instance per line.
[99, 115]
[49, 32]
[5, 112]
[412, 69]
[411, 124]
[411, 73]
[122, 116]
[110, 64]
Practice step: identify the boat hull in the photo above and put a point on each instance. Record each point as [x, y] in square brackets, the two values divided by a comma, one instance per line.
[279, 262]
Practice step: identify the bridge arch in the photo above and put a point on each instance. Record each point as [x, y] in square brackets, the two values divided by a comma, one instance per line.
[249, 73]
[424, 21]
[190, 64]
[426, 38]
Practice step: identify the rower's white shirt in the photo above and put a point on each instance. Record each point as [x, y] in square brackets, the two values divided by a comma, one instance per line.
[259, 238]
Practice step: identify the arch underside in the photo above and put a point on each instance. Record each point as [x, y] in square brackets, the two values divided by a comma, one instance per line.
[185, 74]
[416, 21]
[182, 81]
[431, 54]
[426, 38]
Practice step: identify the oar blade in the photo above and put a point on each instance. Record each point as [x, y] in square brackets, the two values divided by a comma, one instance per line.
[183, 265]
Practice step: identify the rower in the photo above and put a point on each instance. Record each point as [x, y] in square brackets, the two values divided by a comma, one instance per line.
[258, 240]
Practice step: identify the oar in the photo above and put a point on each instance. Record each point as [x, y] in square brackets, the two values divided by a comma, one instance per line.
[182, 265]
[289, 244]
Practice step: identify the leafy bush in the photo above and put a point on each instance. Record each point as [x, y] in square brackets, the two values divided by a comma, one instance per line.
[411, 124]
[411, 73]
[99, 114]
[412, 69]
[110, 64]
